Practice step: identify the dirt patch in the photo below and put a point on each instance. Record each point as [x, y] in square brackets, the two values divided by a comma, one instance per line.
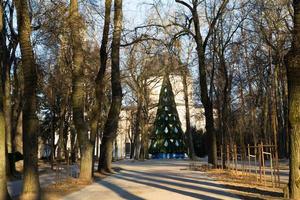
[63, 188]
[242, 184]
[59, 190]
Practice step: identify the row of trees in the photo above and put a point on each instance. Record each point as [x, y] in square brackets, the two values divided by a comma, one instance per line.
[55, 91]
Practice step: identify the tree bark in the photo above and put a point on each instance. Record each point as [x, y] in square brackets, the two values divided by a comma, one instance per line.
[18, 135]
[31, 188]
[188, 132]
[99, 82]
[138, 126]
[78, 94]
[111, 125]
[3, 182]
[3, 159]
[206, 101]
[7, 101]
[293, 75]
[7, 108]
[17, 121]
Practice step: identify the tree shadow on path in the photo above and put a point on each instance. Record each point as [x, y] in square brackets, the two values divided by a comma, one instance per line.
[209, 183]
[216, 193]
[119, 190]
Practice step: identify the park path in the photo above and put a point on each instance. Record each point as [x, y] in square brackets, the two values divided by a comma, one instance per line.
[154, 179]
[15, 187]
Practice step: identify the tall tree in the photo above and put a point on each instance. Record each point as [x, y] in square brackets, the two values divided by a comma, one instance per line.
[111, 125]
[31, 188]
[188, 131]
[103, 64]
[78, 93]
[293, 75]
[3, 184]
[201, 48]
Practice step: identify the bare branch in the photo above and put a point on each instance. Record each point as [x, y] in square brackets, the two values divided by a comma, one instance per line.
[185, 4]
[214, 21]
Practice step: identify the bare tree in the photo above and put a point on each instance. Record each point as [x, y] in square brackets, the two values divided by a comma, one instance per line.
[201, 47]
[103, 65]
[111, 125]
[78, 94]
[3, 182]
[293, 74]
[31, 188]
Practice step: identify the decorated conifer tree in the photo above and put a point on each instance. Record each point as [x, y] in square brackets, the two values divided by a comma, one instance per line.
[167, 139]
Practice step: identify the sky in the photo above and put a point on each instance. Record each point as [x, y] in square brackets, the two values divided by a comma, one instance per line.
[136, 11]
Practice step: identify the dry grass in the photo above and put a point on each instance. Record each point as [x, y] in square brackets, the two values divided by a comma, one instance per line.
[61, 189]
[232, 176]
[242, 184]
[68, 186]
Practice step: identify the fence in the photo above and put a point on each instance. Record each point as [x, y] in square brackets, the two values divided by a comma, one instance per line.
[261, 160]
[64, 169]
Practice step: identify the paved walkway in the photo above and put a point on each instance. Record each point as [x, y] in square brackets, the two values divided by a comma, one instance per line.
[154, 179]
[15, 187]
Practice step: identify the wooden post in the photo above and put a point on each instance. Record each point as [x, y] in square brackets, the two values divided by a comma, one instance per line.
[260, 164]
[221, 150]
[255, 165]
[235, 157]
[68, 163]
[271, 166]
[56, 172]
[249, 159]
[242, 158]
[263, 162]
[277, 166]
[232, 156]
[227, 157]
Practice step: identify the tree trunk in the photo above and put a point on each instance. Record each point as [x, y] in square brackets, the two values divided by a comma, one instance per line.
[74, 145]
[206, 101]
[106, 149]
[7, 109]
[144, 153]
[243, 122]
[101, 74]
[111, 125]
[7, 101]
[99, 82]
[3, 182]
[7, 104]
[18, 135]
[138, 127]
[251, 96]
[17, 115]
[62, 140]
[293, 75]
[285, 113]
[78, 86]
[188, 132]
[31, 185]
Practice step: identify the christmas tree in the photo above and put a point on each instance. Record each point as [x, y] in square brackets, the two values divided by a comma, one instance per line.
[167, 137]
